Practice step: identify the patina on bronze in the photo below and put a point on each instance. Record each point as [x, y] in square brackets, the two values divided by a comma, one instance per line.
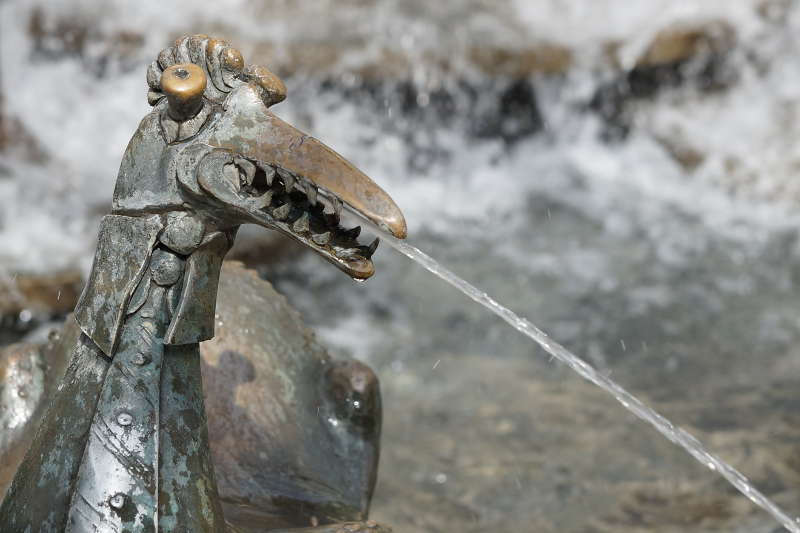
[124, 443]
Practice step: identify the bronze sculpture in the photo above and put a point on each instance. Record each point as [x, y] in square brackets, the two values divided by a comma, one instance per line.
[124, 445]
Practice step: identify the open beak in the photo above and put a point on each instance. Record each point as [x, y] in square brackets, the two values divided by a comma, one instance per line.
[290, 181]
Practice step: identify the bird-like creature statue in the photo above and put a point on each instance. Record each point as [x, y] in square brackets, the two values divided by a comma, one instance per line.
[123, 446]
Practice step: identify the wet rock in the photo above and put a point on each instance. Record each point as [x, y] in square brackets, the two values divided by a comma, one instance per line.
[680, 55]
[48, 294]
[490, 444]
[255, 248]
[507, 110]
[27, 300]
[352, 527]
[294, 434]
[681, 151]
[56, 36]
[14, 136]
[683, 43]
[775, 10]
[547, 58]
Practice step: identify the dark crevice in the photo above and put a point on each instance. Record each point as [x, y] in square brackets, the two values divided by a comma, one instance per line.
[707, 73]
[507, 110]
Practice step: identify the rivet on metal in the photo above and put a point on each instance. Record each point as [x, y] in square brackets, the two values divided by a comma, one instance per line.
[117, 501]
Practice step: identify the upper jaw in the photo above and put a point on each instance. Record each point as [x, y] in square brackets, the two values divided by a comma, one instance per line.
[248, 128]
[272, 197]
[274, 175]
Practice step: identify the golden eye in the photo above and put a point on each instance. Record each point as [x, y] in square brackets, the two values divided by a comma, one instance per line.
[184, 85]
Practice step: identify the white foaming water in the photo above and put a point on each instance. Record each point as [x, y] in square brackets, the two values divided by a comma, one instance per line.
[630, 402]
[84, 125]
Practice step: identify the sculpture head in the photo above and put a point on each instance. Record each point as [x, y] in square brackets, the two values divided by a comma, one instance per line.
[248, 166]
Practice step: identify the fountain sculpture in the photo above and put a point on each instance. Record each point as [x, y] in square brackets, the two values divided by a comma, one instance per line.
[124, 444]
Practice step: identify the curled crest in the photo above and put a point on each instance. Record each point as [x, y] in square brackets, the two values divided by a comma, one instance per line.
[223, 65]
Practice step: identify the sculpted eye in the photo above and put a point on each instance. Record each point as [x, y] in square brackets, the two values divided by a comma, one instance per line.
[184, 85]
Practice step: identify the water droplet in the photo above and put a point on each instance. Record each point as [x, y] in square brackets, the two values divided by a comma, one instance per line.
[124, 419]
[356, 404]
[117, 501]
[440, 478]
[25, 316]
[712, 466]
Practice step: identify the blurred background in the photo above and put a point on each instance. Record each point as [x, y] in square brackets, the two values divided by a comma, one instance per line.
[622, 173]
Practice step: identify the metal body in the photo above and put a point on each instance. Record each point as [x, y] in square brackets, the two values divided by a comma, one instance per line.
[124, 445]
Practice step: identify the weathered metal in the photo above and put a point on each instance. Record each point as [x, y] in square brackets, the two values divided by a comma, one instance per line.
[124, 444]
[294, 434]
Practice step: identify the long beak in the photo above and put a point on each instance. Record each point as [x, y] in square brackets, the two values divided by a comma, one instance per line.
[247, 127]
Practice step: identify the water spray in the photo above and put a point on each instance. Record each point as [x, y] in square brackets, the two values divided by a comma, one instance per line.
[670, 431]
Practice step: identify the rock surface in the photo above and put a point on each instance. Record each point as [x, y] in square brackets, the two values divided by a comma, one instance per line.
[48, 294]
[494, 446]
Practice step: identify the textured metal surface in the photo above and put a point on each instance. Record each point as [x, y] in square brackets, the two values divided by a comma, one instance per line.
[194, 317]
[188, 499]
[123, 249]
[23, 375]
[42, 488]
[271, 391]
[29, 373]
[146, 466]
[184, 232]
[143, 183]
[116, 486]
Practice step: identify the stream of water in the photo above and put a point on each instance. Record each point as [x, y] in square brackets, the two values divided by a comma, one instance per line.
[630, 402]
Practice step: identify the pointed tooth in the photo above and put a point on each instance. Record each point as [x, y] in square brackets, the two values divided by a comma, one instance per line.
[371, 248]
[311, 192]
[301, 224]
[288, 180]
[270, 173]
[321, 238]
[337, 205]
[248, 167]
[353, 233]
[231, 175]
[282, 211]
[263, 201]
